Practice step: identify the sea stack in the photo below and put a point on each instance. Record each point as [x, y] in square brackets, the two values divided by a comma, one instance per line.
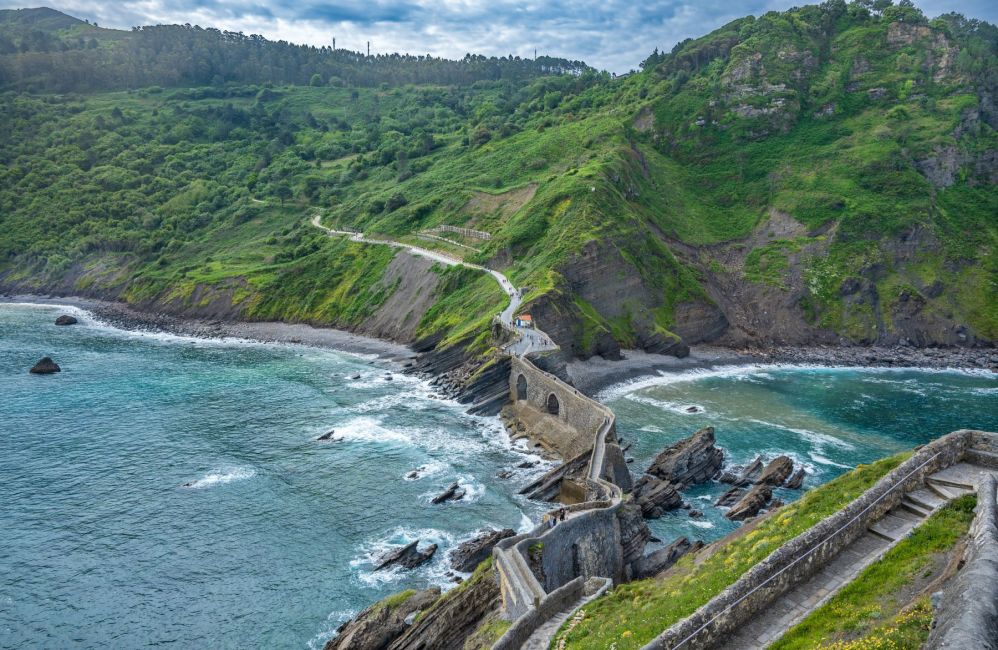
[66, 319]
[45, 366]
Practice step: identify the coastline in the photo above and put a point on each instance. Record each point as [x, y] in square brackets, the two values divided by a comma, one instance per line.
[591, 376]
[595, 375]
[124, 317]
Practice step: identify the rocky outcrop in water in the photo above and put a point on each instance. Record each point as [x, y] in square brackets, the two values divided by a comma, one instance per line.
[452, 493]
[407, 557]
[45, 366]
[655, 497]
[751, 503]
[328, 436]
[795, 481]
[658, 561]
[776, 472]
[690, 461]
[473, 552]
[382, 623]
[66, 319]
[742, 475]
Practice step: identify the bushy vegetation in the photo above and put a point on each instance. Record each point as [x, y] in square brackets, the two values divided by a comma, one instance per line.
[864, 124]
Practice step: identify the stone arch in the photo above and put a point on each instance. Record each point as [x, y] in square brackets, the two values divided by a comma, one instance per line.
[521, 388]
[552, 404]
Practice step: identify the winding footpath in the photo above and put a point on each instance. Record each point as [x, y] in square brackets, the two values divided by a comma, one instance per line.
[529, 340]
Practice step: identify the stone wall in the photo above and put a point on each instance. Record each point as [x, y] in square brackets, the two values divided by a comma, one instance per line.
[583, 414]
[968, 616]
[806, 554]
[553, 604]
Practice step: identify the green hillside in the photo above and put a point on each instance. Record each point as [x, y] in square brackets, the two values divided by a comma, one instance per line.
[820, 175]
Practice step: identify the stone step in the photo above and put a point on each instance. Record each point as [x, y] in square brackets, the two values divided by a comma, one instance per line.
[915, 508]
[908, 511]
[925, 499]
[954, 482]
[981, 457]
[946, 492]
[877, 531]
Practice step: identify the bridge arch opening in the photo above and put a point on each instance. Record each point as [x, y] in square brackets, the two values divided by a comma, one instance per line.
[552, 404]
[521, 388]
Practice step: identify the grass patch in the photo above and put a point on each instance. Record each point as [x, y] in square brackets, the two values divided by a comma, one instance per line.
[867, 613]
[633, 614]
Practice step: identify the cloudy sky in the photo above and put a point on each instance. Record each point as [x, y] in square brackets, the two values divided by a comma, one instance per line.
[611, 34]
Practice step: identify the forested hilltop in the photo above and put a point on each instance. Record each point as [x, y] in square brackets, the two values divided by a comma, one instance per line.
[825, 174]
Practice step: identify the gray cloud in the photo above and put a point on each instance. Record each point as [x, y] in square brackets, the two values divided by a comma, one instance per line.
[611, 34]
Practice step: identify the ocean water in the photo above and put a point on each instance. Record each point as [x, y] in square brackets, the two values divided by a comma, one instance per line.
[169, 491]
[827, 420]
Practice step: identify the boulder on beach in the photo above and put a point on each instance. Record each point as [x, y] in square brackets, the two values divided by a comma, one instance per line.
[452, 493]
[407, 557]
[66, 319]
[473, 552]
[45, 366]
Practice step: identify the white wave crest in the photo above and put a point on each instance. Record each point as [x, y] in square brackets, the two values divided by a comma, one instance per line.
[221, 477]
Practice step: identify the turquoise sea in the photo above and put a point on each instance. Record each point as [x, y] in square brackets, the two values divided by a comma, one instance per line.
[169, 491]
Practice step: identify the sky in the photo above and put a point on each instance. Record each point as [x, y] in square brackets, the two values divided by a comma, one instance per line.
[613, 35]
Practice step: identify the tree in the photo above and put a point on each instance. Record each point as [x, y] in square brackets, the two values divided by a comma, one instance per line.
[316, 80]
[283, 192]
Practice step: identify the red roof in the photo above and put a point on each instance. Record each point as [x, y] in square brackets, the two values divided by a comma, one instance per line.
[525, 318]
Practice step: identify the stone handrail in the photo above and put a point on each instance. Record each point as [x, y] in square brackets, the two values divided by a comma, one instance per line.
[968, 616]
[806, 554]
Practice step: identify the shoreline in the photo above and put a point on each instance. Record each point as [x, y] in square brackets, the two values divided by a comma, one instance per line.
[123, 317]
[591, 376]
[595, 375]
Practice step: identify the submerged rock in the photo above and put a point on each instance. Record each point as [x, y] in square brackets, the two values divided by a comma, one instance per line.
[45, 366]
[690, 461]
[66, 319]
[328, 436]
[382, 623]
[408, 556]
[473, 552]
[452, 493]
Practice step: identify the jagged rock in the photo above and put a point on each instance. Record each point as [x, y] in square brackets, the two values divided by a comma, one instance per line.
[690, 461]
[66, 319]
[750, 504]
[328, 435]
[527, 464]
[660, 560]
[355, 377]
[776, 471]
[408, 556]
[775, 503]
[795, 481]
[388, 377]
[695, 514]
[505, 474]
[380, 624]
[473, 552]
[452, 493]
[45, 366]
[742, 476]
[634, 533]
[730, 498]
[655, 496]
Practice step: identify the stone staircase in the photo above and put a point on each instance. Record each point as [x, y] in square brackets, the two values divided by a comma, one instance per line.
[915, 506]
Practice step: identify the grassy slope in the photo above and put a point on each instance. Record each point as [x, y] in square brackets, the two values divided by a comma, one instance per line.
[870, 612]
[155, 188]
[633, 614]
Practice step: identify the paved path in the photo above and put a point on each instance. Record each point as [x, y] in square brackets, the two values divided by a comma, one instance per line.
[796, 604]
[530, 340]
